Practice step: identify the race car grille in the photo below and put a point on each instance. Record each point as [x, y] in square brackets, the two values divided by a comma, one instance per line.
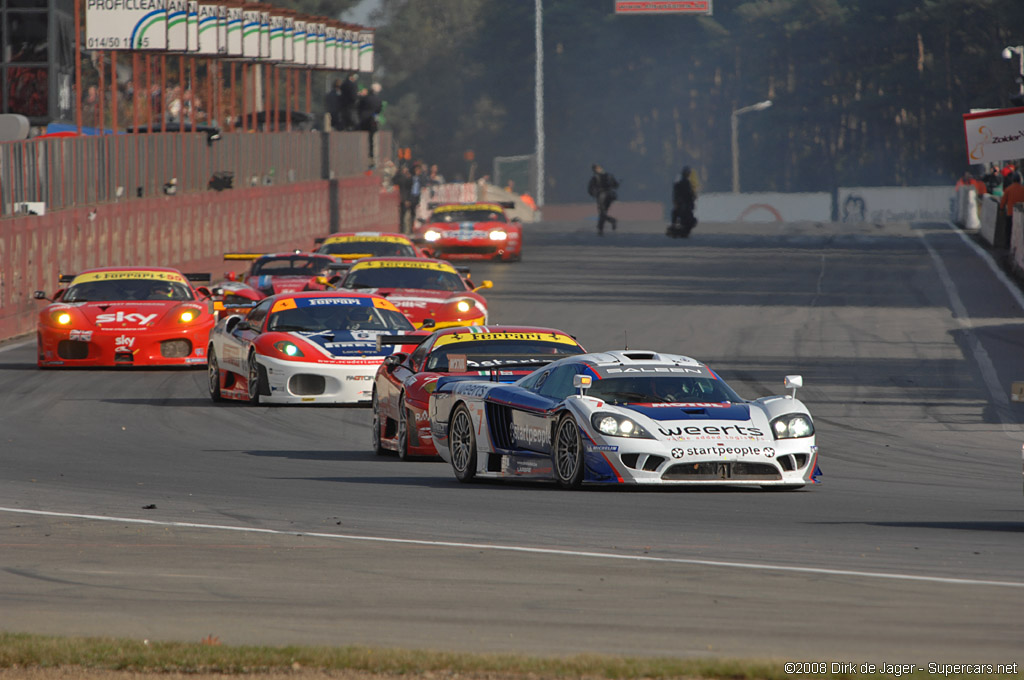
[466, 250]
[72, 349]
[698, 472]
[305, 384]
[500, 420]
[175, 349]
[637, 461]
[789, 463]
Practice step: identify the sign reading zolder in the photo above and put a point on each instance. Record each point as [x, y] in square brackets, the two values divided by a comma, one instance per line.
[994, 136]
[126, 24]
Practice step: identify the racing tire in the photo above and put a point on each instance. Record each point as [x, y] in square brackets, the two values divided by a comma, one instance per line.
[254, 380]
[375, 426]
[402, 436]
[462, 444]
[567, 454]
[213, 376]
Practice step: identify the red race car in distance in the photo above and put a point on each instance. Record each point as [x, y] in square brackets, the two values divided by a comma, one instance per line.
[349, 246]
[432, 293]
[472, 231]
[275, 273]
[125, 316]
[402, 386]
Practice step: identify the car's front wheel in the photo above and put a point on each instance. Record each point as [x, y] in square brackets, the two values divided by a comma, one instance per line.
[567, 454]
[254, 379]
[213, 375]
[375, 426]
[462, 442]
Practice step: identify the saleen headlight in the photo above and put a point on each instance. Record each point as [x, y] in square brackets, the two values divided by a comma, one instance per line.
[615, 425]
[289, 349]
[431, 235]
[63, 318]
[792, 426]
[464, 305]
[498, 235]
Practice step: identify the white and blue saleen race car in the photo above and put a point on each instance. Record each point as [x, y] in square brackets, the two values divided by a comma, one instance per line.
[623, 417]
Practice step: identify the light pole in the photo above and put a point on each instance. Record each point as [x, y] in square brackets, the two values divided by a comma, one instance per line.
[538, 97]
[1008, 53]
[760, 106]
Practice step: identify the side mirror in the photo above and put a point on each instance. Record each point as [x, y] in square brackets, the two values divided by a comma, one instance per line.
[204, 292]
[392, 361]
[217, 291]
[243, 326]
[429, 323]
[322, 280]
[792, 382]
[40, 295]
[485, 284]
[231, 276]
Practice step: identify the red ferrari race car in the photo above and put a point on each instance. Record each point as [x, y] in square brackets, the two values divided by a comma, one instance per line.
[472, 231]
[345, 247]
[432, 293]
[303, 348]
[234, 297]
[275, 273]
[125, 316]
[403, 383]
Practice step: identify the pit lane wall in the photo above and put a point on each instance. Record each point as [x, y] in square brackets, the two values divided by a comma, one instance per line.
[190, 232]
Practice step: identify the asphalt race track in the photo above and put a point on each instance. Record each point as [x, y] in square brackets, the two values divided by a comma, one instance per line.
[134, 506]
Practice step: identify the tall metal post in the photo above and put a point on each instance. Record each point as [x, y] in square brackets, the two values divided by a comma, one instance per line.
[539, 97]
[78, 66]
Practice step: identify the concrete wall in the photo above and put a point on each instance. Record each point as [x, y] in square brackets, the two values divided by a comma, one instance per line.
[190, 232]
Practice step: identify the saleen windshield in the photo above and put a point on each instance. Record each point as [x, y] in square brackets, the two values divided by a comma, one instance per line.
[662, 389]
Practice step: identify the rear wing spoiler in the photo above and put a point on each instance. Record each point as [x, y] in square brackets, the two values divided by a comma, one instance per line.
[198, 276]
[339, 266]
[507, 205]
[243, 256]
[399, 340]
[66, 278]
[319, 240]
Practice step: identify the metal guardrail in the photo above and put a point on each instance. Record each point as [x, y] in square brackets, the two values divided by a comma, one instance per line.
[65, 172]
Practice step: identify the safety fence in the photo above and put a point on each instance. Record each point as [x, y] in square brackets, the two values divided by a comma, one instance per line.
[190, 232]
[53, 173]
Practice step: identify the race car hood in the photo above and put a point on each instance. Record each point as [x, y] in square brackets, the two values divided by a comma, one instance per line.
[711, 421]
[454, 228]
[272, 285]
[129, 315]
[344, 344]
[689, 411]
[415, 303]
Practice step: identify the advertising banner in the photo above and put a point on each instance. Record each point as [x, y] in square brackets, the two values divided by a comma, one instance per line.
[192, 26]
[299, 42]
[209, 16]
[222, 30]
[289, 39]
[277, 37]
[251, 25]
[177, 25]
[366, 50]
[110, 25]
[994, 136]
[330, 47]
[264, 34]
[234, 31]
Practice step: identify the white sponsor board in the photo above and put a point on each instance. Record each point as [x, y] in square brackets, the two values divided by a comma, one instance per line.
[177, 25]
[994, 136]
[331, 47]
[126, 24]
[299, 42]
[209, 16]
[234, 32]
[277, 37]
[222, 29]
[366, 50]
[251, 26]
[663, 7]
[264, 35]
[192, 26]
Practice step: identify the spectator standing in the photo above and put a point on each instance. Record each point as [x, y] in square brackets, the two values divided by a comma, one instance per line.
[684, 202]
[332, 104]
[348, 101]
[435, 175]
[369, 107]
[1012, 195]
[603, 187]
[406, 209]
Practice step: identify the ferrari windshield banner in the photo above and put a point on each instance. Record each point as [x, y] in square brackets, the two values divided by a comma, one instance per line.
[383, 238]
[126, 24]
[113, 276]
[408, 264]
[994, 135]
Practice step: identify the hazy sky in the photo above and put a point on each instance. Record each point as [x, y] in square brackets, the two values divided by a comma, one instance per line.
[360, 14]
